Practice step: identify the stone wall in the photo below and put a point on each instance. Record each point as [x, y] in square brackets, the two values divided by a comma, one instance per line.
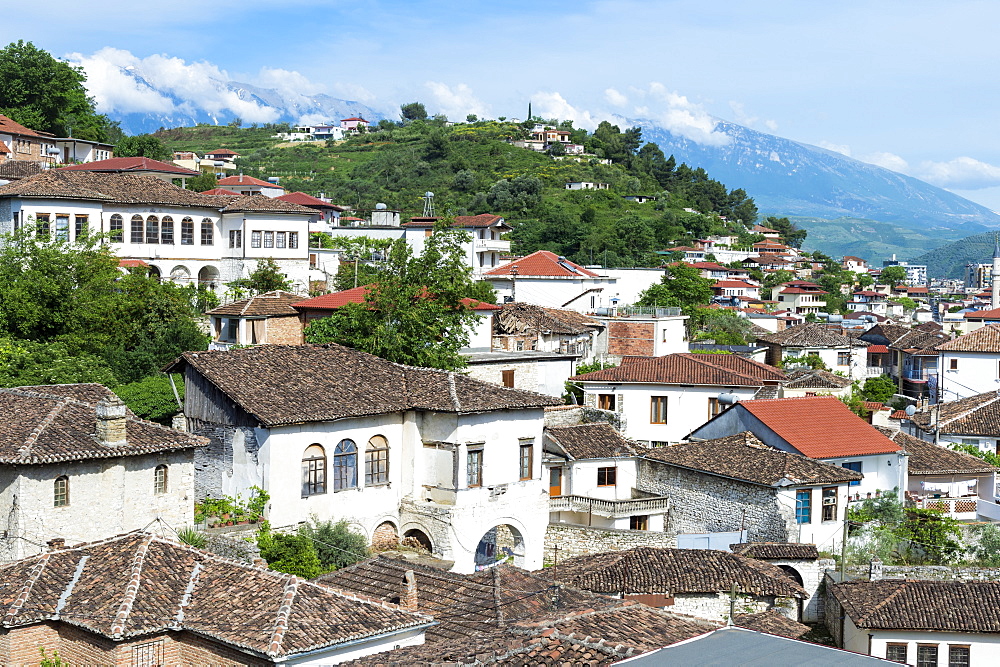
[932, 572]
[581, 414]
[707, 504]
[573, 540]
[717, 607]
[525, 373]
[214, 464]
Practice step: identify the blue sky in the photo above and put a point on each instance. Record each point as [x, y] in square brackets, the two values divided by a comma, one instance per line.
[904, 84]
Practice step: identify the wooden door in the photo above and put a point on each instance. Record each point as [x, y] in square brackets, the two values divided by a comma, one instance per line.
[555, 482]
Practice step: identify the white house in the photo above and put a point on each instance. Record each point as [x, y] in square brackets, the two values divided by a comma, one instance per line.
[80, 150]
[546, 279]
[974, 420]
[248, 185]
[800, 296]
[823, 428]
[970, 364]
[78, 466]
[482, 251]
[182, 235]
[837, 351]
[339, 434]
[662, 399]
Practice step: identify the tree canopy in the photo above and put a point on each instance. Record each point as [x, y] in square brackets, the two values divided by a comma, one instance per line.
[894, 275]
[682, 285]
[413, 111]
[144, 145]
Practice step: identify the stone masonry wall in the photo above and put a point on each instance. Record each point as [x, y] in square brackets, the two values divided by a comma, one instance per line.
[525, 374]
[284, 331]
[628, 338]
[580, 414]
[573, 540]
[706, 504]
[932, 572]
[214, 463]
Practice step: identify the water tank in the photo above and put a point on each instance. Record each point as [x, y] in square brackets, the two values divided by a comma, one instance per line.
[273, 179]
[836, 318]
[380, 207]
[728, 398]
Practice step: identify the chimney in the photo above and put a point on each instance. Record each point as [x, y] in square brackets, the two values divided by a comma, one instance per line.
[875, 570]
[56, 543]
[259, 563]
[409, 601]
[111, 422]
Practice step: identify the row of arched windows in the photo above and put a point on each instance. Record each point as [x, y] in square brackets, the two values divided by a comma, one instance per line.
[344, 474]
[153, 229]
[60, 488]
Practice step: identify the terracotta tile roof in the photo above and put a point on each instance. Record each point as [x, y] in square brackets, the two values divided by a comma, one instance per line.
[926, 458]
[984, 339]
[807, 378]
[897, 604]
[776, 550]
[241, 180]
[878, 349]
[543, 264]
[464, 605]
[772, 622]
[590, 441]
[875, 406]
[221, 191]
[734, 283]
[262, 204]
[137, 584]
[646, 570]
[122, 188]
[974, 415]
[58, 423]
[687, 368]
[464, 221]
[222, 151]
[916, 340]
[294, 384]
[133, 264]
[744, 457]
[10, 126]
[13, 170]
[130, 164]
[527, 318]
[809, 335]
[353, 118]
[358, 294]
[760, 229]
[820, 427]
[270, 304]
[993, 314]
[302, 199]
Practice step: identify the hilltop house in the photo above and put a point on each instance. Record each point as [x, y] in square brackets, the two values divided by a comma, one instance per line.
[662, 399]
[263, 319]
[545, 279]
[969, 365]
[77, 465]
[354, 124]
[248, 185]
[22, 144]
[482, 251]
[339, 434]
[800, 297]
[837, 351]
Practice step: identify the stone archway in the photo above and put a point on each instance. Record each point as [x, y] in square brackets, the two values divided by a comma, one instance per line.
[180, 274]
[154, 272]
[208, 276]
[417, 538]
[385, 536]
[500, 544]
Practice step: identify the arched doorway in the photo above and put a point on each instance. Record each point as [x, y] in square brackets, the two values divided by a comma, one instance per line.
[501, 544]
[385, 537]
[794, 575]
[154, 272]
[208, 276]
[418, 539]
[180, 274]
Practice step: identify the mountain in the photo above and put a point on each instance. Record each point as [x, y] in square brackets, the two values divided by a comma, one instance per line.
[949, 261]
[848, 206]
[284, 106]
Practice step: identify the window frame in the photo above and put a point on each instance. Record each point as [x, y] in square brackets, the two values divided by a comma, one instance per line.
[714, 408]
[607, 476]
[377, 461]
[314, 478]
[526, 460]
[843, 358]
[829, 509]
[658, 409]
[474, 468]
[207, 232]
[953, 364]
[187, 231]
[167, 230]
[924, 662]
[345, 465]
[60, 231]
[952, 648]
[507, 378]
[137, 230]
[280, 239]
[607, 402]
[235, 238]
[293, 240]
[255, 238]
[81, 226]
[803, 506]
[856, 466]
[160, 479]
[152, 229]
[268, 239]
[43, 226]
[116, 228]
[60, 491]
[891, 646]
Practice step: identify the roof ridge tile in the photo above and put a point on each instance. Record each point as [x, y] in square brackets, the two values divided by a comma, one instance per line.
[281, 619]
[25, 450]
[22, 596]
[131, 588]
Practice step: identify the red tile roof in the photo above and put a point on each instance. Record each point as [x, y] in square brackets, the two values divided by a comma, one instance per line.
[993, 314]
[132, 263]
[358, 294]
[355, 118]
[131, 164]
[878, 349]
[986, 339]
[734, 283]
[543, 264]
[302, 199]
[481, 220]
[10, 126]
[690, 369]
[246, 180]
[222, 151]
[820, 427]
[221, 191]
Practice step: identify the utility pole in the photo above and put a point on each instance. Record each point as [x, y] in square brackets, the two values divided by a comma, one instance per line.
[843, 549]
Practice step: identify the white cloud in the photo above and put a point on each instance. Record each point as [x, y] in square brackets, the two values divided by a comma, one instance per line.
[963, 173]
[771, 125]
[679, 115]
[615, 98]
[843, 149]
[889, 161]
[113, 89]
[456, 102]
[554, 105]
[740, 114]
[354, 91]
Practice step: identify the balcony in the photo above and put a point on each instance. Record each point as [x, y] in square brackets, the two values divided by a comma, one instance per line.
[956, 508]
[874, 371]
[221, 345]
[492, 245]
[917, 373]
[611, 509]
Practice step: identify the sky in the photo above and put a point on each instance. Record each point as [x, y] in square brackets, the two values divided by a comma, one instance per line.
[904, 84]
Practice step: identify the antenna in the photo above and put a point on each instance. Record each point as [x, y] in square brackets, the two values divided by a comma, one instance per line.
[428, 204]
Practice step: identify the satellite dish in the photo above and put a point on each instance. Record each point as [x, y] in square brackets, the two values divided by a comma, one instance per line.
[428, 194]
[380, 207]
[910, 411]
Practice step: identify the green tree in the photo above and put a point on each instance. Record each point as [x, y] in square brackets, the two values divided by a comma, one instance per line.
[893, 275]
[725, 327]
[291, 554]
[682, 285]
[792, 235]
[879, 389]
[772, 280]
[46, 94]
[471, 118]
[336, 544]
[202, 182]
[865, 280]
[152, 397]
[267, 277]
[413, 111]
[906, 302]
[144, 145]
[27, 363]
[413, 313]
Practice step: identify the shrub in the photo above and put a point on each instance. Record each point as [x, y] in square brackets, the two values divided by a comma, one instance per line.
[335, 543]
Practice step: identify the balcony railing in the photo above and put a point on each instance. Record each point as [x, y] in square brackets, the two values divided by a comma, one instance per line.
[956, 508]
[612, 509]
[916, 373]
[874, 371]
[628, 311]
[495, 245]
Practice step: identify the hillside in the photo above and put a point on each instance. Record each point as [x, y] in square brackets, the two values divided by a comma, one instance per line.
[873, 239]
[949, 261]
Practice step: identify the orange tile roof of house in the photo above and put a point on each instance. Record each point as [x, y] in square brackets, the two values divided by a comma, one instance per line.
[10, 126]
[543, 264]
[820, 427]
[132, 263]
[986, 339]
[688, 369]
[481, 220]
[734, 283]
[221, 191]
[222, 151]
[302, 199]
[247, 180]
[993, 314]
[131, 164]
[358, 294]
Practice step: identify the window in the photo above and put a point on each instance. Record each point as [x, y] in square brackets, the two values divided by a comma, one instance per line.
[80, 226]
[235, 238]
[138, 228]
[293, 239]
[152, 229]
[313, 471]
[640, 522]
[803, 506]
[658, 410]
[117, 229]
[958, 656]
[254, 239]
[280, 239]
[62, 227]
[16, 216]
[60, 495]
[149, 654]
[527, 457]
[855, 466]
[606, 401]
[927, 655]
[42, 226]
[187, 231]
[607, 476]
[474, 467]
[519, 346]
[953, 364]
[507, 377]
[160, 479]
[830, 503]
[843, 358]
[713, 407]
[345, 465]
[268, 239]
[207, 232]
[167, 230]
[895, 652]
[377, 461]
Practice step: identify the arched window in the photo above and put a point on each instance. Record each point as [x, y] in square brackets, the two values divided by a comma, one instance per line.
[117, 229]
[152, 229]
[377, 461]
[137, 229]
[313, 471]
[345, 465]
[167, 230]
[187, 231]
[207, 232]
[60, 492]
[160, 479]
